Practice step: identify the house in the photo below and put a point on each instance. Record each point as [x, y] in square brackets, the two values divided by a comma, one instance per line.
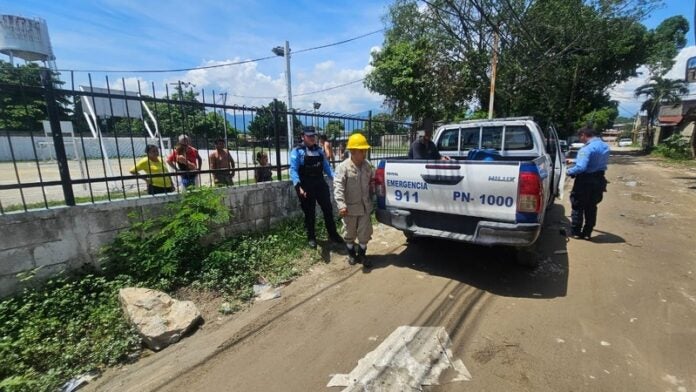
[680, 118]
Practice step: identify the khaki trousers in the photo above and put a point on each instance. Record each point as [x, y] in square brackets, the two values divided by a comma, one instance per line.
[357, 226]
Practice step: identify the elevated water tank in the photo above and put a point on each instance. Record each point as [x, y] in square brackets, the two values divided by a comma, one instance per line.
[25, 38]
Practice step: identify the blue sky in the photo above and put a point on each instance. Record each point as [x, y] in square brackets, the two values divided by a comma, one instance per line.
[147, 34]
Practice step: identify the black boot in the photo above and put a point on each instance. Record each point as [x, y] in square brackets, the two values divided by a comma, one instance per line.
[352, 257]
[362, 259]
[336, 238]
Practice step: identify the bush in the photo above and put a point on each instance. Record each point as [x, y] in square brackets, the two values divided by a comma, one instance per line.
[67, 327]
[72, 326]
[674, 147]
[163, 252]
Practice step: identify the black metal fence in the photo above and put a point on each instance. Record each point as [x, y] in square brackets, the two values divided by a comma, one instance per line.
[66, 146]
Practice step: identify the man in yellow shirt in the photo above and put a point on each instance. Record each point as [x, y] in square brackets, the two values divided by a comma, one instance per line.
[157, 180]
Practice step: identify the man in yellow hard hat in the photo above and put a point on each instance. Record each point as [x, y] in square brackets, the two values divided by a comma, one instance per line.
[353, 188]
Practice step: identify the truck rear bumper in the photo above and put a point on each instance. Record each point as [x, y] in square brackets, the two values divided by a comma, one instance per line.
[485, 232]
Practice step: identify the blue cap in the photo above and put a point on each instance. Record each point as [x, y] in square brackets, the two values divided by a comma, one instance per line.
[309, 131]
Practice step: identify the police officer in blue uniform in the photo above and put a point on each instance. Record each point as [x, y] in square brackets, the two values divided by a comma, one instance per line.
[308, 164]
[590, 183]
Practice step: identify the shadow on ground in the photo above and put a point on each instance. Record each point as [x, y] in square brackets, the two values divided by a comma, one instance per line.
[493, 269]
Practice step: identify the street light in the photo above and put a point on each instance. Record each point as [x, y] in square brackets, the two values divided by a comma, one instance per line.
[316, 106]
[285, 52]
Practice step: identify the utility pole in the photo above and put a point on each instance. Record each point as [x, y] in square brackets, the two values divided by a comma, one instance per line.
[285, 52]
[494, 66]
[224, 116]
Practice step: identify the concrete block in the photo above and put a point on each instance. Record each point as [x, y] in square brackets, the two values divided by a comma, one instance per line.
[57, 252]
[29, 231]
[8, 285]
[103, 220]
[96, 241]
[262, 224]
[15, 260]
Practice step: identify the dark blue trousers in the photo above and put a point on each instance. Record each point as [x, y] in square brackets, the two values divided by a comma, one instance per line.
[587, 192]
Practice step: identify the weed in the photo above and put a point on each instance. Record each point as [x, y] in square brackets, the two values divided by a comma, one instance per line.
[674, 147]
[65, 328]
[72, 326]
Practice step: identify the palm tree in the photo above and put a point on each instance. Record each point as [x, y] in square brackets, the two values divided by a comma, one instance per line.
[660, 91]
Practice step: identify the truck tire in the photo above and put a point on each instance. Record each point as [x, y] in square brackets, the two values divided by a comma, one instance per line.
[527, 257]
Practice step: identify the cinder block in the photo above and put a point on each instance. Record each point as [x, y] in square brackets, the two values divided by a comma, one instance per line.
[262, 224]
[8, 285]
[103, 220]
[29, 231]
[57, 252]
[15, 260]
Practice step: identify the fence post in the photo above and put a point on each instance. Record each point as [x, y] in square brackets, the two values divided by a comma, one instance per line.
[276, 126]
[369, 134]
[54, 120]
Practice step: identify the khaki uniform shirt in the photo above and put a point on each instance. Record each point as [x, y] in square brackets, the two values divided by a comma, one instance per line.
[352, 187]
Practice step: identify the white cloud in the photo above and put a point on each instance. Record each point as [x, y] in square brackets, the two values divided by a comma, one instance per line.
[247, 85]
[624, 92]
[325, 66]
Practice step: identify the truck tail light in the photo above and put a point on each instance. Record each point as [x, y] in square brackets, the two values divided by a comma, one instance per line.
[380, 188]
[529, 192]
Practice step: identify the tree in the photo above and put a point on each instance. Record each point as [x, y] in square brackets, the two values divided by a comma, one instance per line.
[262, 126]
[659, 91]
[599, 119]
[666, 41]
[22, 106]
[557, 59]
[334, 129]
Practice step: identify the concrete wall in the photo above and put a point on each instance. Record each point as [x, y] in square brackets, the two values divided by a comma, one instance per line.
[65, 239]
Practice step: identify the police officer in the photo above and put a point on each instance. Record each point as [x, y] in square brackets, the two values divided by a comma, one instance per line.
[590, 183]
[308, 164]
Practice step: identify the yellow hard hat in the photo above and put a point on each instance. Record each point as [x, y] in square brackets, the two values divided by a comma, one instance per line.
[357, 141]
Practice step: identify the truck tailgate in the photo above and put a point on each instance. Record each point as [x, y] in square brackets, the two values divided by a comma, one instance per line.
[471, 188]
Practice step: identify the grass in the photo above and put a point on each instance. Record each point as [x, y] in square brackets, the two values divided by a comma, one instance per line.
[73, 325]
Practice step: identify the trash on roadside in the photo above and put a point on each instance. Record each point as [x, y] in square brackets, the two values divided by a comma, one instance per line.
[265, 292]
[77, 382]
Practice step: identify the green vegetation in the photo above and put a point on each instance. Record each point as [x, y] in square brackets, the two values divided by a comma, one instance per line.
[66, 328]
[557, 59]
[72, 325]
[674, 147]
[262, 126]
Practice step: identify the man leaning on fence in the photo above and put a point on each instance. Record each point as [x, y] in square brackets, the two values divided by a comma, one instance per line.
[221, 160]
[186, 159]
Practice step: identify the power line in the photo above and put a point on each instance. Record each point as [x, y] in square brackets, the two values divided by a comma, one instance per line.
[330, 88]
[303, 94]
[219, 65]
[338, 43]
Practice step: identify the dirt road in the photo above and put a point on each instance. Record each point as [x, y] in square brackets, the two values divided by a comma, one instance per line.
[614, 314]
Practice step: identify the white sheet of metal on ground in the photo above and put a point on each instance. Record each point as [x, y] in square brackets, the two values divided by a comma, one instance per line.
[407, 359]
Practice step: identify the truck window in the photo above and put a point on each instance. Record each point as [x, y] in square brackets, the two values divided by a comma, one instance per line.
[492, 138]
[469, 138]
[449, 140]
[517, 137]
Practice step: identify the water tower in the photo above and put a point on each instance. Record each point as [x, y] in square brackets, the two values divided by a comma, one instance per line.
[27, 39]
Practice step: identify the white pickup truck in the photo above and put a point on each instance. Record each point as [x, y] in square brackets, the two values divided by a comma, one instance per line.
[502, 176]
